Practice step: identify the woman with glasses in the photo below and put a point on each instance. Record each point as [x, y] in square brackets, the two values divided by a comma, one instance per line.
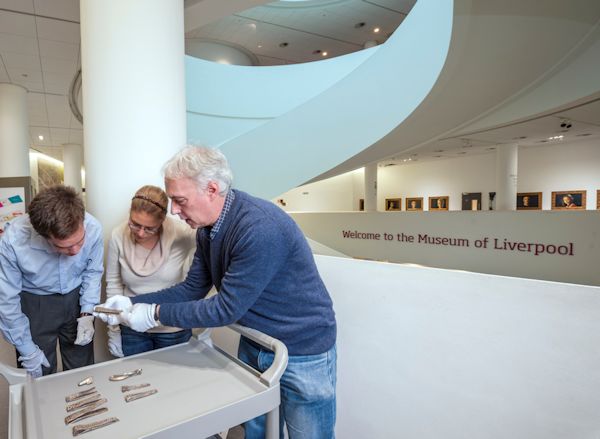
[147, 253]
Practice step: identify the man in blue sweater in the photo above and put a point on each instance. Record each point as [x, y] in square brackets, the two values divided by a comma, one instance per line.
[259, 261]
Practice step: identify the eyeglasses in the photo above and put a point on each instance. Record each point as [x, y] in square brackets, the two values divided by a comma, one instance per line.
[135, 227]
[68, 247]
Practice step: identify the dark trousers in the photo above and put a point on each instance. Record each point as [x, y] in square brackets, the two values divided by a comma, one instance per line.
[53, 318]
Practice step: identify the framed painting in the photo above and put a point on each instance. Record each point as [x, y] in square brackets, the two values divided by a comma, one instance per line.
[415, 203]
[393, 204]
[471, 201]
[568, 200]
[439, 203]
[529, 201]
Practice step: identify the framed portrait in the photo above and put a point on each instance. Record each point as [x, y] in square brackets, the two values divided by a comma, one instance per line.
[361, 204]
[471, 201]
[439, 203]
[529, 201]
[568, 200]
[393, 204]
[414, 203]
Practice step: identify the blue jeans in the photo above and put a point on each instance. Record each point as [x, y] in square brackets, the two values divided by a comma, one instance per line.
[307, 393]
[134, 342]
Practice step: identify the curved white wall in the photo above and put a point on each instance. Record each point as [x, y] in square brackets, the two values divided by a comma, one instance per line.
[338, 123]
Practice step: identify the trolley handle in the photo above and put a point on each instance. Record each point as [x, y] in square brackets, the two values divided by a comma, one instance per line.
[273, 373]
[12, 374]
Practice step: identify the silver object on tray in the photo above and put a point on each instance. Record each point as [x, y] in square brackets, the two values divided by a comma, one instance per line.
[85, 413]
[134, 387]
[138, 395]
[125, 375]
[103, 310]
[92, 402]
[79, 395]
[86, 381]
[84, 428]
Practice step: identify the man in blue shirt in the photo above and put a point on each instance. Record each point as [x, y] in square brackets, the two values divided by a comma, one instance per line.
[50, 272]
[259, 261]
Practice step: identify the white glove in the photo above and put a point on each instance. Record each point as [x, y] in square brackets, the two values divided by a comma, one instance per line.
[33, 362]
[85, 330]
[115, 302]
[114, 342]
[141, 317]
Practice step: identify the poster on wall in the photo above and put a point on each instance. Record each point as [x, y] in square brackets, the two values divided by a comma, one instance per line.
[12, 204]
[529, 201]
[568, 200]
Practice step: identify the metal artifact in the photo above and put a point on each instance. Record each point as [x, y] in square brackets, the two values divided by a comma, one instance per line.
[84, 428]
[135, 396]
[134, 387]
[93, 402]
[125, 375]
[83, 414]
[79, 395]
[103, 310]
[86, 381]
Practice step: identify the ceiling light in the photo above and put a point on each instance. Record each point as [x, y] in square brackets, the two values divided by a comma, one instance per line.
[41, 137]
[359, 25]
[284, 44]
[324, 54]
[259, 46]
[376, 30]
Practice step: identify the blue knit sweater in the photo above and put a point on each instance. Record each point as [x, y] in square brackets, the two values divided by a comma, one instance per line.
[266, 276]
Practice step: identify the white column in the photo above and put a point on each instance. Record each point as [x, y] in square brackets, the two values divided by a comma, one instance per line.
[133, 98]
[73, 161]
[14, 131]
[506, 177]
[371, 187]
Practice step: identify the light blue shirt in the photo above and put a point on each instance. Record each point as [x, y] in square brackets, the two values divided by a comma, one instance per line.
[28, 262]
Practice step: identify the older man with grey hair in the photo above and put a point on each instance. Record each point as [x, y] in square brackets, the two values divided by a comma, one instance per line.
[259, 261]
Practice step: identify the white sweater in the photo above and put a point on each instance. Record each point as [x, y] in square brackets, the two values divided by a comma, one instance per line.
[178, 243]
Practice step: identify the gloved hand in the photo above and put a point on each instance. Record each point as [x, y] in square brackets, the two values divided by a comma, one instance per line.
[33, 362]
[85, 330]
[114, 341]
[115, 302]
[141, 317]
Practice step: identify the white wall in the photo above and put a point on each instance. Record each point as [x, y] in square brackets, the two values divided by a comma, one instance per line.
[572, 166]
[429, 354]
[560, 167]
[337, 193]
[438, 178]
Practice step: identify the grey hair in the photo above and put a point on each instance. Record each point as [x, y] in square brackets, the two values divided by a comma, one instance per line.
[201, 164]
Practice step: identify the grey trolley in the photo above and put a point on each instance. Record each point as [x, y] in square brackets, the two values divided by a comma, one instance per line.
[201, 391]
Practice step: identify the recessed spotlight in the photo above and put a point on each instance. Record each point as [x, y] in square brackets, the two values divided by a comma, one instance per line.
[284, 44]
[260, 46]
[376, 30]
[324, 54]
[359, 25]
[316, 52]
[41, 137]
